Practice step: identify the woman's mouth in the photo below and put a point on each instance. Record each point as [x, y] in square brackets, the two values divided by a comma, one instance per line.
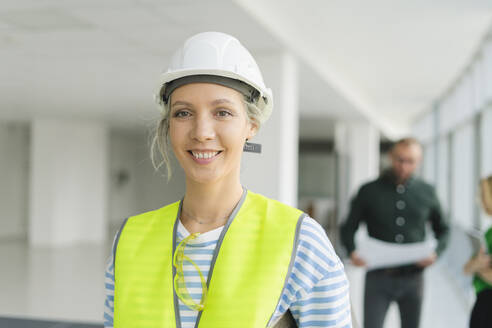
[204, 157]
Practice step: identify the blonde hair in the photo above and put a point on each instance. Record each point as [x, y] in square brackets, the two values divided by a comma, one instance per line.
[486, 194]
[160, 139]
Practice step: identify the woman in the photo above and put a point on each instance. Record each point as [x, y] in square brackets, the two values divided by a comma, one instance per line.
[479, 265]
[222, 256]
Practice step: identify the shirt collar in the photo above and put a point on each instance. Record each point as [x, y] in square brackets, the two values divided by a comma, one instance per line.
[389, 176]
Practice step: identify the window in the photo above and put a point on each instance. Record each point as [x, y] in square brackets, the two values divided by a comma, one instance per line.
[429, 162]
[463, 183]
[442, 180]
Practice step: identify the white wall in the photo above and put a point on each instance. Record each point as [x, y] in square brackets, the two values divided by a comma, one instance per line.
[145, 189]
[361, 144]
[464, 184]
[122, 176]
[443, 181]
[154, 190]
[14, 172]
[424, 128]
[486, 81]
[68, 182]
[428, 163]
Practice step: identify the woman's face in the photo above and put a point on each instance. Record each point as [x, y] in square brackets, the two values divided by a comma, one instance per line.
[208, 128]
[486, 194]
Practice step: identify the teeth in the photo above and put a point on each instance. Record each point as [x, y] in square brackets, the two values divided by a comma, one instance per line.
[204, 155]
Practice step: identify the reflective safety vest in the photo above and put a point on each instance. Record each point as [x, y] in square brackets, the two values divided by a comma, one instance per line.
[249, 270]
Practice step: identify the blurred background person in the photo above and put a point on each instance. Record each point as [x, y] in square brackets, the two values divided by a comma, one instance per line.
[395, 209]
[479, 266]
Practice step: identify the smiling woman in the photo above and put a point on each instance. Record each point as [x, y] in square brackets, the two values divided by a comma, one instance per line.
[208, 133]
[223, 256]
[254, 115]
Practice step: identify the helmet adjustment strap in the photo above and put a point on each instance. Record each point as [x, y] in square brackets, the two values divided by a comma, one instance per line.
[251, 94]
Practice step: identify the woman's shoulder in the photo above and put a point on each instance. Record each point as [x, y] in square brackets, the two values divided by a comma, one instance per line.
[262, 199]
[316, 261]
[314, 242]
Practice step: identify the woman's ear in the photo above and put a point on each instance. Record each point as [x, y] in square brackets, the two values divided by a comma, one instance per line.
[252, 130]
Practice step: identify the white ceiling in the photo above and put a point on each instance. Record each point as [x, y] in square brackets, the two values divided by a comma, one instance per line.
[101, 59]
[380, 60]
[390, 59]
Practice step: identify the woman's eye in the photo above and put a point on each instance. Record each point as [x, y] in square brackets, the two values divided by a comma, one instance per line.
[181, 113]
[224, 113]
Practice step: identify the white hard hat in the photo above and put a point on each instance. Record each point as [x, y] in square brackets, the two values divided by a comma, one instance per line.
[217, 58]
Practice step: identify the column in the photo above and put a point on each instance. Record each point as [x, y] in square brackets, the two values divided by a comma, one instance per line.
[68, 182]
[274, 172]
[14, 150]
[357, 147]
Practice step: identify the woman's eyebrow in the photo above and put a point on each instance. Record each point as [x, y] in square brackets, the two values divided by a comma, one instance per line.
[179, 102]
[221, 101]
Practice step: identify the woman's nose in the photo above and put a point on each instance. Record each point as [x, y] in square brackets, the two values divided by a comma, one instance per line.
[203, 129]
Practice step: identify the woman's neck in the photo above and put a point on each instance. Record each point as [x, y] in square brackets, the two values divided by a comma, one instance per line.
[208, 206]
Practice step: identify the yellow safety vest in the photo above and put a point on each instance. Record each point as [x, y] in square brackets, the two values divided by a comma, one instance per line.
[249, 270]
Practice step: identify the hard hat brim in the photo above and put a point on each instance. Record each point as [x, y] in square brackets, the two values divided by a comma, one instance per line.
[265, 102]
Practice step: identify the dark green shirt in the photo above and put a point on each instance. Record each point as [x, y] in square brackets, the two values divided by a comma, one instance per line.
[396, 213]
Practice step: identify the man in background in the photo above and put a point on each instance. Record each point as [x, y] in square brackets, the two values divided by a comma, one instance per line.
[396, 208]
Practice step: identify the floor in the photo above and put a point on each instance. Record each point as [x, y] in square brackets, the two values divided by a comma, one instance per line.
[53, 284]
[443, 307]
[27, 323]
[66, 285]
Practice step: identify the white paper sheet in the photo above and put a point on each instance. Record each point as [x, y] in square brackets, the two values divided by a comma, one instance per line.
[379, 254]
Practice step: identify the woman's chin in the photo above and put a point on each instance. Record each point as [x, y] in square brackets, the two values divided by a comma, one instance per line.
[211, 174]
[203, 177]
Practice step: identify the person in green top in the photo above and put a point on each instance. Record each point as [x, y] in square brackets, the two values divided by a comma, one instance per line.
[479, 265]
[396, 208]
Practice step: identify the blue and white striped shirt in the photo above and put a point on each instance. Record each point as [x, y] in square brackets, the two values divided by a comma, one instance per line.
[317, 291]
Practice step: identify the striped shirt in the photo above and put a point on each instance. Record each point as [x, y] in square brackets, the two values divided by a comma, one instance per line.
[317, 290]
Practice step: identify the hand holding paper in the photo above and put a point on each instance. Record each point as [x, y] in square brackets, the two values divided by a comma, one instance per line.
[381, 254]
[357, 260]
